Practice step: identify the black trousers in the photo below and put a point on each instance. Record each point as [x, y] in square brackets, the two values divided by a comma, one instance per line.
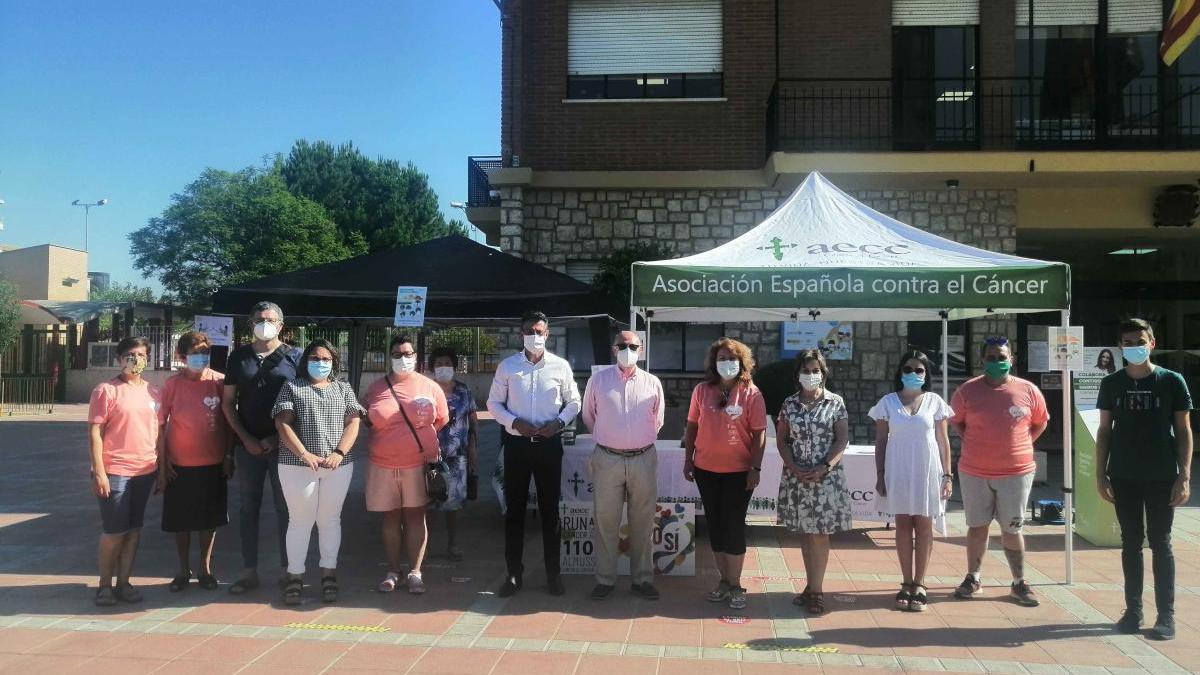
[542, 461]
[1149, 500]
[725, 500]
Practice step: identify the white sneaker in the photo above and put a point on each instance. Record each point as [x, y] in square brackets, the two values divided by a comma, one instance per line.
[416, 585]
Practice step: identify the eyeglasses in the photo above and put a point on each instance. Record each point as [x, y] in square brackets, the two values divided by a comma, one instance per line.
[630, 347]
[403, 355]
[995, 341]
[319, 359]
[908, 370]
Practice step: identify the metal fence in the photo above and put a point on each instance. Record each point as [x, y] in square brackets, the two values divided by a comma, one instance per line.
[27, 394]
[479, 190]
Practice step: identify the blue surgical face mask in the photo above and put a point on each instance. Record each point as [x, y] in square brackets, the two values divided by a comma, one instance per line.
[1136, 355]
[912, 380]
[319, 370]
[197, 362]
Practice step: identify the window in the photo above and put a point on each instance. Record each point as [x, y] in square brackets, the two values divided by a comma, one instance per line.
[681, 347]
[631, 49]
[926, 336]
[579, 349]
[934, 85]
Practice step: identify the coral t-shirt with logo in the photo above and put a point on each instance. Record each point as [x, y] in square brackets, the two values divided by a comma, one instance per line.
[197, 434]
[996, 424]
[128, 415]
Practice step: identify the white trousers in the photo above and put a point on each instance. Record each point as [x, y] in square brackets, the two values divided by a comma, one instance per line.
[314, 498]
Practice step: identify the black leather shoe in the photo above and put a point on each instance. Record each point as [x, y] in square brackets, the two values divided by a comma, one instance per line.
[1164, 627]
[646, 590]
[555, 585]
[510, 587]
[1131, 622]
[601, 591]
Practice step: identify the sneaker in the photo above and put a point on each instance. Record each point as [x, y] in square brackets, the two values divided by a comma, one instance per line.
[1164, 627]
[720, 593]
[601, 591]
[1023, 594]
[415, 584]
[1131, 622]
[737, 597]
[510, 587]
[646, 590]
[968, 588]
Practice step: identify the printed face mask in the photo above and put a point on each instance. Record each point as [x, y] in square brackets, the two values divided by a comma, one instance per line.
[728, 369]
[1136, 355]
[626, 358]
[319, 370]
[266, 330]
[810, 381]
[443, 373]
[535, 344]
[197, 362]
[997, 368]
[912, 380]
[404, 364]
[134, 364]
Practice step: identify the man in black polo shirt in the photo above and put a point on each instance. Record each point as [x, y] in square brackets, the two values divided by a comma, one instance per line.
[253, 377]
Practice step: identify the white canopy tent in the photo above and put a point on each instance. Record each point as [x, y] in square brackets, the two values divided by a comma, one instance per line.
[823, 254]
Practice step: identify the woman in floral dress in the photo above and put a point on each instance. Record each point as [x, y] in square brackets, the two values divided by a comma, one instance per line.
[811, 435]
[457, 441]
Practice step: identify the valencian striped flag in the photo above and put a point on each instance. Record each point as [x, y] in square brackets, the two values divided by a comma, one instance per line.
[1181, 29]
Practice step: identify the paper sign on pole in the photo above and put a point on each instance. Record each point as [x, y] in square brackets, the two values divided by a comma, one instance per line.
[1066, 347]
[410, 306]
[218, 328]
[834, 339]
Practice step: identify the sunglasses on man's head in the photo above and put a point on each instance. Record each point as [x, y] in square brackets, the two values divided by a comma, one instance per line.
[629, 346]
[908, 370]
[995, 341]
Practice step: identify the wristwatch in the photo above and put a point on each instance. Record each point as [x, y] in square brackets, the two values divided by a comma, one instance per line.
[339, 452]
[757, 468]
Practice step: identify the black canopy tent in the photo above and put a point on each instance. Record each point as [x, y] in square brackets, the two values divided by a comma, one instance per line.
[469, 285]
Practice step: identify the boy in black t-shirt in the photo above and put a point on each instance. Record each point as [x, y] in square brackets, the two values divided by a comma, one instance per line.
[1144, 451]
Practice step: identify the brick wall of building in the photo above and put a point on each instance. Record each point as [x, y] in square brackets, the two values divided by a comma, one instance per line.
[848, 38]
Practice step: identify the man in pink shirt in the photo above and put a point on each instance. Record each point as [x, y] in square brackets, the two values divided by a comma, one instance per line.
[999, 416]
[623, 406]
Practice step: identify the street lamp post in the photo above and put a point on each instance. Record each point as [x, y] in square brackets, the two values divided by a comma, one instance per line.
[87, 207]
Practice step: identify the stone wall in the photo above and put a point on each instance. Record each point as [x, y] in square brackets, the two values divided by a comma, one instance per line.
[552, 227]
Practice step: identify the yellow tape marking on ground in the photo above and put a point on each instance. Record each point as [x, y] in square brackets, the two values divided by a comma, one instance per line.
[772, 647]
[338, 626]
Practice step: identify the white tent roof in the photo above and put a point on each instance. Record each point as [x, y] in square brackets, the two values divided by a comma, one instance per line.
[823, 253]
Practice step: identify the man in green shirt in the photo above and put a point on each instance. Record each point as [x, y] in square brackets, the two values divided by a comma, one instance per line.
[1144, 449]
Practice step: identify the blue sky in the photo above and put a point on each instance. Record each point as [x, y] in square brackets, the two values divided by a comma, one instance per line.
[131, 100]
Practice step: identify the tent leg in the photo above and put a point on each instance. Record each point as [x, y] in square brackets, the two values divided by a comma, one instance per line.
[646, 345]
[1068, 420]
[632, 317]
[945, 358]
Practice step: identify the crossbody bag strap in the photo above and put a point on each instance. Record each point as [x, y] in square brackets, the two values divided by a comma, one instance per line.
[411, 428]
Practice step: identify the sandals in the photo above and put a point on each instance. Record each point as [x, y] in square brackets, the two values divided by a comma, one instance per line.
[816, 604]
[737, 597]
[904, 598]
[208, 582]
[389, 583]
[180, 583]
[329, 589]
[292, 590]
[105, 597]
[920, 599]
[243, 586]
[801, 600]
[720, 593]
[127, 593]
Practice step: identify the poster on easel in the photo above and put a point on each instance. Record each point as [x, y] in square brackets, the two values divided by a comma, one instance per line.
[410, 306]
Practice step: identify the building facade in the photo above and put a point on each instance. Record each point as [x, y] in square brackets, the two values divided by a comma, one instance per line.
[1046, 128]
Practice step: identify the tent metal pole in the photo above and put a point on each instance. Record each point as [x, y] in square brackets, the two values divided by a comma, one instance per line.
[945, 357]
[1068, 423]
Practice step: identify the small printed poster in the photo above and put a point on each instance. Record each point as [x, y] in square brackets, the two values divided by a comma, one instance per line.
[1098, 363]
[1038, 356]
[410, 306]
[576, 529]
[673, 537]
[833, 338]
[218, 328]
[1066, 347]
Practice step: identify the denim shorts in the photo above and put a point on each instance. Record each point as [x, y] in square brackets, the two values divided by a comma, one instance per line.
[124, 508]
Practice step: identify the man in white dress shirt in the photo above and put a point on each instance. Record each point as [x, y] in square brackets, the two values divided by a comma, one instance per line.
[624, 408]
[533, 397]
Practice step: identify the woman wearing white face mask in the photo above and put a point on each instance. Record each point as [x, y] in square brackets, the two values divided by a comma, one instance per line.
[723, 444]
[811, 435]
[912, 469]
[405, 409]
[457, 441]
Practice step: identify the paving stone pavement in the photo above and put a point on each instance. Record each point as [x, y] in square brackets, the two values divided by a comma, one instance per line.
[48, 532]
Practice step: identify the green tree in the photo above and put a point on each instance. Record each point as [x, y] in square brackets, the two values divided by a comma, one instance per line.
[118, 292]
[376, 203]
[226, 228]
[10, 315]
[613, 280]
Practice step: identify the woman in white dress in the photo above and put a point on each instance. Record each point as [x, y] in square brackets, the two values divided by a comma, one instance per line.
[912, 465]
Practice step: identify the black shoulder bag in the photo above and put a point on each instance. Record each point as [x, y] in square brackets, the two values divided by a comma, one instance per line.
[435, 472]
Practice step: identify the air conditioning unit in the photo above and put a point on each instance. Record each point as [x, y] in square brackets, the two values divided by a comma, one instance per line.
[102, 355]
[1177, 206]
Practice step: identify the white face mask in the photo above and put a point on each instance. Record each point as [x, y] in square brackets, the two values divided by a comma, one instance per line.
[728, 369]
[627, 358]
[535, 344]
[266, 330]
[404, 364]
[810, 381]
[443, 373]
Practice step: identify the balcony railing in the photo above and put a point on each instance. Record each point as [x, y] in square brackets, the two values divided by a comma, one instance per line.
[479, 191]
[991, 114]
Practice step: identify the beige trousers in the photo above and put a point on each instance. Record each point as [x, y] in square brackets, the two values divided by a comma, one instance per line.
[616, 480]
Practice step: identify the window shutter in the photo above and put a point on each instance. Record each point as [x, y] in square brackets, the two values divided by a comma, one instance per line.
[935, 13]
[1134, 16]
[583, 270]
[625, 37]
[1059, 12]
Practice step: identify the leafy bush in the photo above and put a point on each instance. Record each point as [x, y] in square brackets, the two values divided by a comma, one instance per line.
[613, 280]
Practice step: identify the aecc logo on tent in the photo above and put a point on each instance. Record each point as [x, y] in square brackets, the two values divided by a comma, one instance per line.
[777, 248]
